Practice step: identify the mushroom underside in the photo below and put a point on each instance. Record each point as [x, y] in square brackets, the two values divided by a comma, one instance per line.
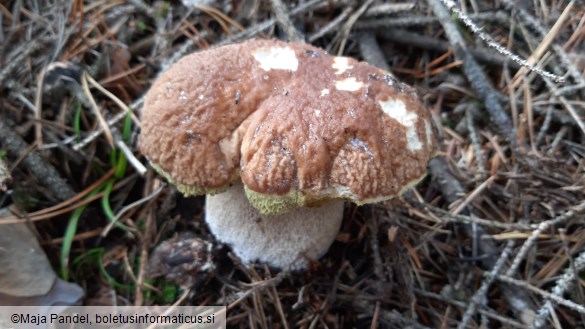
[287, 240]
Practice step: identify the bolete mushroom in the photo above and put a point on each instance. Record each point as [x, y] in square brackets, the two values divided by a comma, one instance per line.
[278, 135]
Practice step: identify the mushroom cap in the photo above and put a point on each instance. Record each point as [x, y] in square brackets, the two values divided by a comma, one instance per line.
[298, 125]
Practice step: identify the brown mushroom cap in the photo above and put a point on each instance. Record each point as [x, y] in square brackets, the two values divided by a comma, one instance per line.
[295, 123]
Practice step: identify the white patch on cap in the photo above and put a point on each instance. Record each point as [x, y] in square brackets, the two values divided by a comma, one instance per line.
[397, 110]
[276, 59]
[317, 113]
[349, 84]
[341, 64]
[324, 92]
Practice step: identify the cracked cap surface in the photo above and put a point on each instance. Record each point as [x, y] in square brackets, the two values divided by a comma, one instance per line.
[290, 120]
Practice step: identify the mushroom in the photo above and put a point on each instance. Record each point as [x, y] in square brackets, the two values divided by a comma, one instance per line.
[278, 135]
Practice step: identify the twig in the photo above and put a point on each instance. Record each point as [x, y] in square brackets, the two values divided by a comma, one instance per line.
[473, 195]
[545, 126]
[567, 250]
[448, 217]
[492, 43]
[41, 169]
[534, 236]
[39, 110]
[536, 25]
[426, 42]
[396, 22]
[543, 46]
[567, 105]
[389, 318]
[547, 295]
[248, 33]
[563, 284]
[96, 110]
[451, 189]
[136, 203]
[145, 237]
[489, 314]
[479, 81]
[113, 98]
[332, 25]
[131, 157]
[403, 21]
[388, 8]
[114, 120]
[474, 137]
[285, 22]
[346, 28]
[371, 52]
[481, 293]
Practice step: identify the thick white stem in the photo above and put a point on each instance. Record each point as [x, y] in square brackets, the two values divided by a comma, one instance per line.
[285, 241]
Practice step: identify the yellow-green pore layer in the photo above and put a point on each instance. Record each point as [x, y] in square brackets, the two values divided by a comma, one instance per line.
[266, 204]
[297, 126]
[276, 204]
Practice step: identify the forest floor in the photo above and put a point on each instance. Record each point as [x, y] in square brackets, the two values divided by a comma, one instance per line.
[493, 237]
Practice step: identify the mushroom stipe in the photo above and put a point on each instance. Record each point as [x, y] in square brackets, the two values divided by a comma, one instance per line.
[297, 126]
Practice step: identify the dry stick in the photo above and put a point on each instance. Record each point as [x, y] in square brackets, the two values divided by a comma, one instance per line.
[451, 190]
[548, 116]
[536, 233]
[134, 204]
[421, 21]
[114, 98]
[448, 217]
[114, 120]
[248, 33]
[563, 284]
[140, 168]
[490, 42]
[39, 110]
[487, 313]
[536, 25]
[543, 46]
[567, 250]
[332, 25]
[388, 8]
[347, 27]
[479, 81]
[547, 295]
[425, 42]
[371, 52]
[280, 11]
[481, 293]
[42, 169]
[58, 208]
[96, 110]
[566, 104]
[396, 22]
[474, 137]
[146, 239]
[389, 318]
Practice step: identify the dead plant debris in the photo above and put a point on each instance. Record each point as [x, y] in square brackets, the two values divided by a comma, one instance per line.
[495, 237]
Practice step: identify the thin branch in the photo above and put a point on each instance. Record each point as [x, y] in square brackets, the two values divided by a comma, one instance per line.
[41, 169]
[481, 293]
[545, 294]
[564, 282]
[478, 79]
[285, 22]
[492, 43]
